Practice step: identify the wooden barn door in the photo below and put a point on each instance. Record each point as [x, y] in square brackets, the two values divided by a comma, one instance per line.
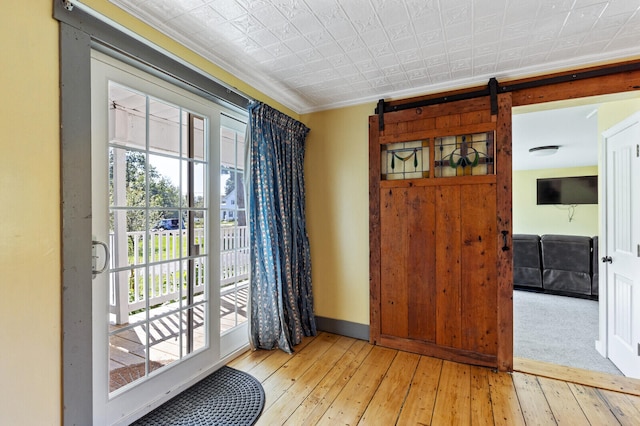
[440, 180]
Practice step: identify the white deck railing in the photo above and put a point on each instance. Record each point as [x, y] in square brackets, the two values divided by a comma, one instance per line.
[165, 267]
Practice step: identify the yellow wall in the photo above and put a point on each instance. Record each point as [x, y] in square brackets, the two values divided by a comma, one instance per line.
[337, 183]
[611, 113]
[30, 196]
[529, 218]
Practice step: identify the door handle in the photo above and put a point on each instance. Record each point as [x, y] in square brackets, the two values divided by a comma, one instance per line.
[607, 259]
[505, 246]
[94, 270]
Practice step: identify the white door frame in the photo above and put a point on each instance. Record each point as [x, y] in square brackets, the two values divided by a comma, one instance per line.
[602, 344]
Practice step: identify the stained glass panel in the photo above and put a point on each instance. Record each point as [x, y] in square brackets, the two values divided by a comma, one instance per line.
[405, 160]
[464, 155]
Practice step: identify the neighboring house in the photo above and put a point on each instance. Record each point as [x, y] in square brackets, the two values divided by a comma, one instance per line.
[228, 206]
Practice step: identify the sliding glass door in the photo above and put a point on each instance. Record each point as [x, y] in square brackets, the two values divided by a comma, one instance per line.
[159, 240]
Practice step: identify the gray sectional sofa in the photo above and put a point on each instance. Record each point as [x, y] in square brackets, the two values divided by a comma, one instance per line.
[560, 264]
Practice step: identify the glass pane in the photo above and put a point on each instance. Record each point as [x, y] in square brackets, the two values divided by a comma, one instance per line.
[185, 133]
[227, 255]
[127, 117]
[128, 237]
[199, 185]
[228, 315]
[197, 317]
[198, 152]
[240, 151]
[168, 239]
[164, 288]
[228, 148]
[465, 155]
[164, 181]
[405, 160]
[127, 178]
[137, 281]
[242, 296]
[239, 187]
[164, 339]
[164, 127]
[200, 278]
[233, 306]
[126, 357]
[199, 234]
[198, 139]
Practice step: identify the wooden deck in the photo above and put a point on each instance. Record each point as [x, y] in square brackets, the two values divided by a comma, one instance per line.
[127, 347]
[334, 380]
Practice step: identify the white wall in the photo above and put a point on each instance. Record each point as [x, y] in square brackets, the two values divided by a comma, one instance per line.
[530, 218]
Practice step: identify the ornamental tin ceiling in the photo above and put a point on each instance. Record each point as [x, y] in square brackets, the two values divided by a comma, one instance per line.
[312, 55]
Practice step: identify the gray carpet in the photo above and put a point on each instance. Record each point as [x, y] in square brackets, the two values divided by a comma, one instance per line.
[558, 329]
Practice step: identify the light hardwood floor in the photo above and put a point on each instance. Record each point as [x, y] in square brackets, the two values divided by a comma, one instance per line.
[334, 380]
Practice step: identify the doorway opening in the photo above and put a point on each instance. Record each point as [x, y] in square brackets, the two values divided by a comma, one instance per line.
[540, 319]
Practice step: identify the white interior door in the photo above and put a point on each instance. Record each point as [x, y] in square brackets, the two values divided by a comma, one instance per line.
[621, 258]
[155, 191]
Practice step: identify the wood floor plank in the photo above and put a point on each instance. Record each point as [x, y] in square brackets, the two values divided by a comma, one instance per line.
[621, 407]
[277, 384]
[351, 402]
[563, 403]
[275, 360]
[535, 408]
[418, 406]
[635, 400]
[249, 360]
[504, 400]
[293, 397]
[481, 411]
[453, 402]
[597, 412]
[318, 401]
[577, 375]
[386, 403]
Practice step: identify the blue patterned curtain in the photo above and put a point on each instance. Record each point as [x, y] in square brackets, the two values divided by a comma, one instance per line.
[281, 299]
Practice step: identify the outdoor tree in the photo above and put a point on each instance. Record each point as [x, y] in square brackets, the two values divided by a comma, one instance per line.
[230, 184]
[162, 192]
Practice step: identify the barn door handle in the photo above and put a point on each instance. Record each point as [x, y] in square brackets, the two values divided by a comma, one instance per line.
[505, 246]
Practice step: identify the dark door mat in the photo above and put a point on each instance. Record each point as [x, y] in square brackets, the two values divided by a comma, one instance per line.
[226, 397]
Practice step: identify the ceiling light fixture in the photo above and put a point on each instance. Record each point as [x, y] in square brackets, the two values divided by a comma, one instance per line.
[542, 151]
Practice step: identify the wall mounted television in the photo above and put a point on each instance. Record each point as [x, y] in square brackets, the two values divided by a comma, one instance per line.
[568, 190]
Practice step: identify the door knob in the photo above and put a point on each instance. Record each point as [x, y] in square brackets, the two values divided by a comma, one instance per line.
[607, 259]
